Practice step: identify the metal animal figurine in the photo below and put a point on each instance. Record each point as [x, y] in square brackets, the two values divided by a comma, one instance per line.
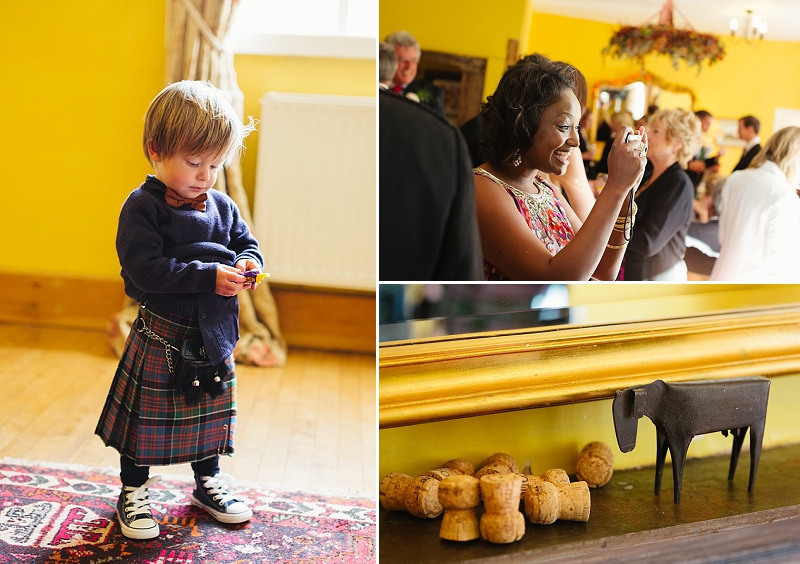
[681, 411]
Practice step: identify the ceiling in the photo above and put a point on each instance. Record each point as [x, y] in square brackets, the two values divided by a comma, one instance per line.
[709, 16]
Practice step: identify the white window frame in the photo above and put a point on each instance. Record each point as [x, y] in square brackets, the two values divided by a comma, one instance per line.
[335, 46]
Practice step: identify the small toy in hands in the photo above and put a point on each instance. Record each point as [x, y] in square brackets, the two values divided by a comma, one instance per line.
[254, 276]
[630, 137]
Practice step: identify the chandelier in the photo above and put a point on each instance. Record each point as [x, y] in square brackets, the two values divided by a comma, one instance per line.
[663, 38]
[754, 26]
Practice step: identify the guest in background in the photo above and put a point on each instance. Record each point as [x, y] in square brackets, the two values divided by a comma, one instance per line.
[642, 121]
[426, 205]
[759, 215]
[528, 231]
[387, 64]
[472, 130]
[619, 119]
[587, 148]
[405, 80]
[604, 132]
[665, 200]
[749, 127]
[702, 160]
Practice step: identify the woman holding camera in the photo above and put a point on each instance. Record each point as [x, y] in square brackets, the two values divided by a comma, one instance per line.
[528, 231]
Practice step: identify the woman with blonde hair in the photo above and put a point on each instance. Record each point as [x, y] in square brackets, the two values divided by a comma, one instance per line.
[759, 218]
[664, 200]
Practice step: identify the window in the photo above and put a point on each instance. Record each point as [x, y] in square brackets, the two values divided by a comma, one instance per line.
[314, 28]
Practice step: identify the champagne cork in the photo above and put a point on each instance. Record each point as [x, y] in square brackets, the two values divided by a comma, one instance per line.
[459, 495]
[422, 498]
[492, 469]
[455, 467]
[546, 502]
[441, 473]
[595, 464]
[574, 501]
[541, 503]
[418, 496]
[503, 459]
[393, 489]
[556, 476]
[460, 465]
[502, 522]
[527, 479]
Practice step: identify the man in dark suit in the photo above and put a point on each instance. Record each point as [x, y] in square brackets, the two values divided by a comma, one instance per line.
[702, 160]
[748, 131]
[428, 228]
[405, 82]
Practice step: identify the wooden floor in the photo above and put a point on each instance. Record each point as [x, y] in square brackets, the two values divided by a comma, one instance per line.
[310, 424]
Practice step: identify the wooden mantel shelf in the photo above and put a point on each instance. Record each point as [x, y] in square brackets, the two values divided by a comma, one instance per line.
[716, 521]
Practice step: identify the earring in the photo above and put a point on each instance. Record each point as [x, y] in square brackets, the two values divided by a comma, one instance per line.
[517, 159]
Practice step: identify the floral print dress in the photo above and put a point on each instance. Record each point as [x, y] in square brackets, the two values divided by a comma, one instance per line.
[543, 213]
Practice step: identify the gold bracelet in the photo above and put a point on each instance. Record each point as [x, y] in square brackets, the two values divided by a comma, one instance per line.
[622, 226]
[633, 213]
[625, 223]
[616, 247]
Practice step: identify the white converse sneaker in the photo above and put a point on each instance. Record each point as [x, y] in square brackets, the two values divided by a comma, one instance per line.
[212, 495]
[134, 514]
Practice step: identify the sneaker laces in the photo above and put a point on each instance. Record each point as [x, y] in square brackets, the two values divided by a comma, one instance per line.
[217, 487]
[137, 502]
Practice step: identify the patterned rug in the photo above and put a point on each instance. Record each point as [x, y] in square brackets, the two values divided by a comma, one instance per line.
[52, 513]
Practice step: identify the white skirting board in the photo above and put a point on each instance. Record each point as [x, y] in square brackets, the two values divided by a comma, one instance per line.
[314, 204]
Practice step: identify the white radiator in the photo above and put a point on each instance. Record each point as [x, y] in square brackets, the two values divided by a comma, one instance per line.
[314, 203]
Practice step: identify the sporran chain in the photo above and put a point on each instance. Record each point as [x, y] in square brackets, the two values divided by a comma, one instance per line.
[167, 345]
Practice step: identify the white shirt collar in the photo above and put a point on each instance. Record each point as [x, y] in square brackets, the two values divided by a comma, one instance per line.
[752, 143]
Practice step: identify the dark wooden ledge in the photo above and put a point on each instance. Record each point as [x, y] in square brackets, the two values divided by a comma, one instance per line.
[716, 521]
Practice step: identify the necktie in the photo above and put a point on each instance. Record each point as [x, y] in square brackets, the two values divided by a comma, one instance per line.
[398, 89]
[175, 200]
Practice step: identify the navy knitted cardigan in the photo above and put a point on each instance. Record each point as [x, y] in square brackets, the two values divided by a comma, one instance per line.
[169, 258]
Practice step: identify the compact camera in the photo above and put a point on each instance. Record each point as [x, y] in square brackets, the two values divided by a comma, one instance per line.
[632, 137]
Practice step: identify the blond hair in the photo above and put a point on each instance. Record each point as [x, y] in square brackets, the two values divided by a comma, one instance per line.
[681, 126]
[620, 118]
[782, 149]
[194, 117]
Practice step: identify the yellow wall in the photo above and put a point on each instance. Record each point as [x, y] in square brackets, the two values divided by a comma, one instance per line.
[260, 74]
[752, 79]
[551, 437]
[763, 76]
[473, 28]
[77, 79]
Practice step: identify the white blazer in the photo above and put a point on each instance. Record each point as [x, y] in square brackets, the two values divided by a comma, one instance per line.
[759, 227]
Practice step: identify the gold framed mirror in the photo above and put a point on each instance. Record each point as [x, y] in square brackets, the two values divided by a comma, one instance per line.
[636, 93]
[466, 375]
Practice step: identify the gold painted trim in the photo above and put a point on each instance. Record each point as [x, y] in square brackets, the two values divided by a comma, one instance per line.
[479, 374]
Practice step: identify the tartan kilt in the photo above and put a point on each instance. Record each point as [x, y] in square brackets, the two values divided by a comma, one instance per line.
[145, 416]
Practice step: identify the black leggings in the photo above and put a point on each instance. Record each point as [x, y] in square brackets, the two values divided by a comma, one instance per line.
[135, 476]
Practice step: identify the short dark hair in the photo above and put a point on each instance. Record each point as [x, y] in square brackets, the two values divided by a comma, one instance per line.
[703, 114]
[511, 116]
[751, 121]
